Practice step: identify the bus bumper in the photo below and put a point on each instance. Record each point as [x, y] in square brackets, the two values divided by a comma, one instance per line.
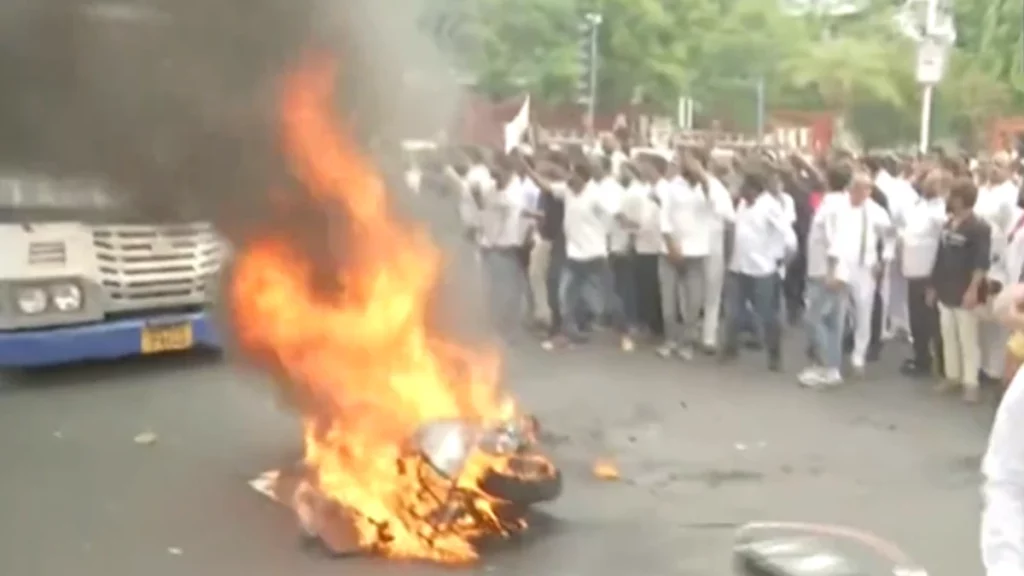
[105, 341]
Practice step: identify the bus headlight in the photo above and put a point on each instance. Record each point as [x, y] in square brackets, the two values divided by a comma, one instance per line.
[31, 300]
[66, 297]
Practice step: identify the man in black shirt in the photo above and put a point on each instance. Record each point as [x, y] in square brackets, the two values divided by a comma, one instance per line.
[548, 255]
[958, 287]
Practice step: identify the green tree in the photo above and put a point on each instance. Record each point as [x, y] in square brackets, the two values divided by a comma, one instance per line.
[715, 50]
[643, 48]
[976, 94]
[511, 47]
[662, 48]
[845, 69]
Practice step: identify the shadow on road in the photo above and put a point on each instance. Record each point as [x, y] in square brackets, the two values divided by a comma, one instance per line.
[108, 372]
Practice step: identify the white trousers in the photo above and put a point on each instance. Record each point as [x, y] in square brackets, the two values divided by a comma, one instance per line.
[714, 278]
[897, 310]
[862, 292]
[991, 337]
[959, 345]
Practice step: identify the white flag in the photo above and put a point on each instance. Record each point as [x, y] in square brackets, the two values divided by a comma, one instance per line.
[515, 129]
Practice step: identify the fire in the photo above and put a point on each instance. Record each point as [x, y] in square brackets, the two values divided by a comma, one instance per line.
[606, 470]
[361, 364]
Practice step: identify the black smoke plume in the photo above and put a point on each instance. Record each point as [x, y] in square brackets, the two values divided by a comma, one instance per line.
[173, 102]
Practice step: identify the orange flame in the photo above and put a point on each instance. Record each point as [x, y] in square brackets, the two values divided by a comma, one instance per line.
[606, 470]
[362, 363]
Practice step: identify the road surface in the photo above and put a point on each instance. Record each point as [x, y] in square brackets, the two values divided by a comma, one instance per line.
[700, 447]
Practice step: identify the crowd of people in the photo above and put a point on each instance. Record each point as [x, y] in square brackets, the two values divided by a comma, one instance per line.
[701, 250]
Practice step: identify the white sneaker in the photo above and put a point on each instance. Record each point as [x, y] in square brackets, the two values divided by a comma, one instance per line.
[665, 350]
[810, 377]
[820, 378]
[686, 353]
[831, 377]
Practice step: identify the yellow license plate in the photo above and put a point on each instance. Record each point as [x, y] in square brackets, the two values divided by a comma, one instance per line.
[157, 339]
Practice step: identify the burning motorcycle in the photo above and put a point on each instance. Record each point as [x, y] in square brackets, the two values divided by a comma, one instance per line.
[470, 483]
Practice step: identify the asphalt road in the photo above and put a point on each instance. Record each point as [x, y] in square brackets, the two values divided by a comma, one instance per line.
[700, 446]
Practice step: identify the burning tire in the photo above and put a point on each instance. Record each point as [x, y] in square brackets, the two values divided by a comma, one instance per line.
[524, 490]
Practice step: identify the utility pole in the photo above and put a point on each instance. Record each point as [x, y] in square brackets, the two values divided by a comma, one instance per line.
[589, 65]
[938, 33]
[756, 84]
[761, 112]
[928, 93]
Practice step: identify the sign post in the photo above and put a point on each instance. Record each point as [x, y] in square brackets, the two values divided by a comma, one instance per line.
[931, 64]
[935, 36]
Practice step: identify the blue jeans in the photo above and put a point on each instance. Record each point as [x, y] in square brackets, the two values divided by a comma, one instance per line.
[624, 272]
[762, 293]
[749, 323]
[588, 285]
[554, 283]
[826, 321]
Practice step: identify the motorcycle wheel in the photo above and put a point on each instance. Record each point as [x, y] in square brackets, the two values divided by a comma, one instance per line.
[523, 491]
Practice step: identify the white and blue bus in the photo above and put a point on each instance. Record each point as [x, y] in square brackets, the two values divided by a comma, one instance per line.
[79, 282]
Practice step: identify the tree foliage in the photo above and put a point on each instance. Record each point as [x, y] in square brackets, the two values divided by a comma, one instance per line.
[715, 51]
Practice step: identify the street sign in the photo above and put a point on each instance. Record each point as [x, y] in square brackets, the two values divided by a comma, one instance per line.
[931, 61]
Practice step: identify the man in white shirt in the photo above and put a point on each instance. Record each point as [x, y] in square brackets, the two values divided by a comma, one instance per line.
[789, 209]
[722, 216]
[828, 292]
[898, 197]
[623, 240]
[502, 210]
[649, 246]
[899, 302]
[589, 214]
[762, 232]
[1002, 517]
[919, 232]
[687, 211]
[477, 184]
[996, 205]
[862, 228]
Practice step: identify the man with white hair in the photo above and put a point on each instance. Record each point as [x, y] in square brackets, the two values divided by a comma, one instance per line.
[862, 228]
[828, 293]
